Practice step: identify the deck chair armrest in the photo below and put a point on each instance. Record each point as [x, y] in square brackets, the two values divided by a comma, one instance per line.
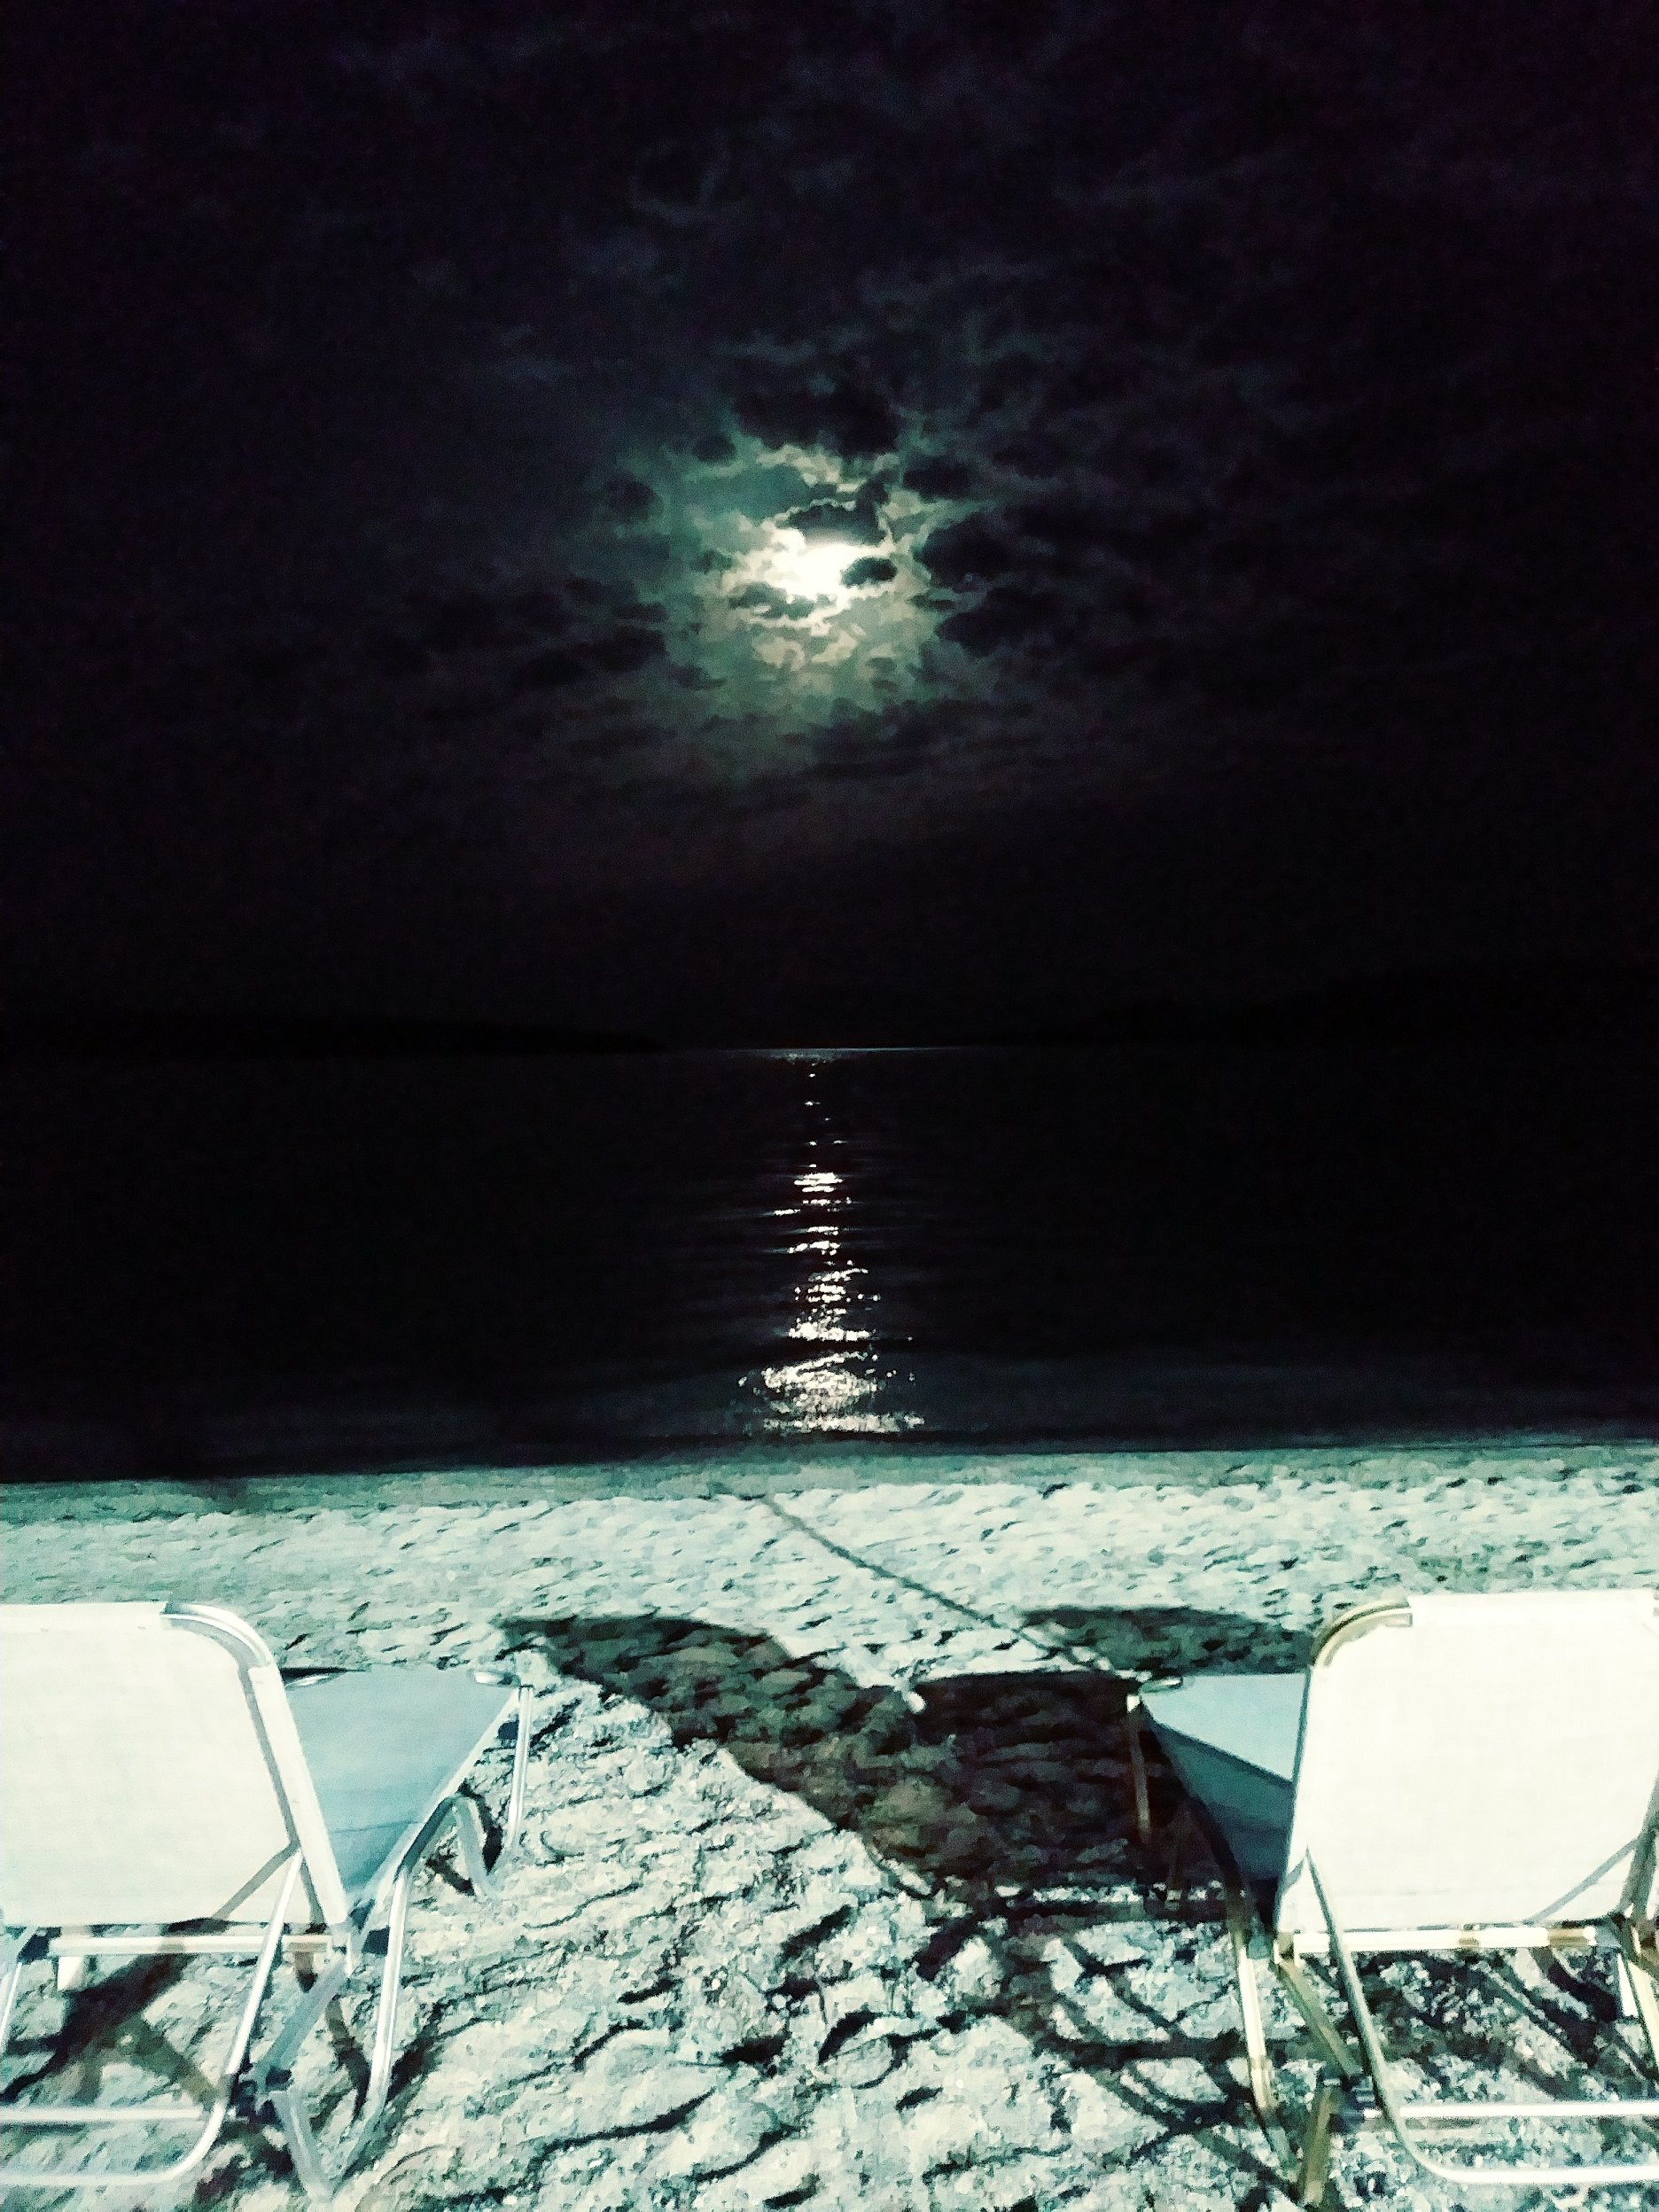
[510, 1677]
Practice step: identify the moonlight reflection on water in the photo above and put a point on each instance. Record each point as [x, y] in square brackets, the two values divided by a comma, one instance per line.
[832, 1393]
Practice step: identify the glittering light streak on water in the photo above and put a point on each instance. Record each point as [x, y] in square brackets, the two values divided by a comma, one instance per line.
[843, 1392]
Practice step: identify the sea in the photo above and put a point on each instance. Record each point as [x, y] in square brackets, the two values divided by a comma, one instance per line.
[321, 1264]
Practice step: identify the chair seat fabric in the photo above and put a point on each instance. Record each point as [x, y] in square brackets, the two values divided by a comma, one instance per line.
[385, 1745]
[1233, 1739]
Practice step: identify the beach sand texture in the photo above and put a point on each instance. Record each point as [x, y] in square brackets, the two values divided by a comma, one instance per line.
[828, 1897]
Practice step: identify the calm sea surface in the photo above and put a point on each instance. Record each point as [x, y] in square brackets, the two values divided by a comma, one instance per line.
[338, 1263]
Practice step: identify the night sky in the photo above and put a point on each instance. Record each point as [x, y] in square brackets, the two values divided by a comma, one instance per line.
[911, 517]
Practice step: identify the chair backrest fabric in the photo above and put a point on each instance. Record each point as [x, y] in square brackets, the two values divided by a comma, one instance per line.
[150, 1771]
[1479, 1761]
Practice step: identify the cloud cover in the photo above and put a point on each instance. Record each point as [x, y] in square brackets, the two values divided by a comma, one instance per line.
[503, 490]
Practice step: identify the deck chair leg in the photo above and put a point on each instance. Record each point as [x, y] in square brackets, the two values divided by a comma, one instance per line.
[155, 2114]
[1134, 1729]
[1179, 1842]
[300, 2022]
[520, 1774]
[1647, 2012]
[291, 2116]
[73, 1971]
[276, 2077]
[524, 1711]
[1263, 2091]
[1333, 2046]
[13, 1955]
[470, 1842]
[1638, 1971]
[1316, 2154]
[1404, 2119]
[296, 2127]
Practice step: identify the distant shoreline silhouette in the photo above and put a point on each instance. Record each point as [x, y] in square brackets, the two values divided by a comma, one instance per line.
[1478, 1002]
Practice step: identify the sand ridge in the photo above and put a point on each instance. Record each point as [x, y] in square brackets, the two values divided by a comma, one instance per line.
[828, 1896]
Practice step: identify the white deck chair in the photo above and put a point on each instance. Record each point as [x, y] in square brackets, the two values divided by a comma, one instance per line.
[164, 1792]
[1459, 1774]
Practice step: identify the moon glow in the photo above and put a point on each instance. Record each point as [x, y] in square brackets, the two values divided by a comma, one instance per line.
[809, 568]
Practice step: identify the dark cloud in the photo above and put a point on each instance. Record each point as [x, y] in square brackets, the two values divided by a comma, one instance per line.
[770, 603]
[396, 658]
[713, 449]
[876, 747]
[966, 553]
[1065, 524]
[629, 498]
[619, 737]
[1035, 452]
[857, 520]
[468, 622]
[549, 671]
[1008, 615]
[1155, 530]
[624, 650]
[938, 477]
[654, 556]
[454, 709]
[846, 416]
[872, 569]
[467, 651]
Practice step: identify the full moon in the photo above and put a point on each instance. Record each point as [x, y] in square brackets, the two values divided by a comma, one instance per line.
[808, 567]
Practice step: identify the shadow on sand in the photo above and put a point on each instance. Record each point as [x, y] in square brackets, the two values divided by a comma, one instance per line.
[1001, 1798]
[1004, 1781]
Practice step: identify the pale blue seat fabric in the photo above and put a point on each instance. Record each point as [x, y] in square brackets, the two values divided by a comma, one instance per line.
[1232, 1739]
[385, 1745]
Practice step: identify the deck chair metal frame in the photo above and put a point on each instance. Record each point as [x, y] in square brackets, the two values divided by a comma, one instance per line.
[1305, 1921]
[287, 1898]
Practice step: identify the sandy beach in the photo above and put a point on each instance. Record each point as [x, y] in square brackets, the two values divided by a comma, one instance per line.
[828, 1896]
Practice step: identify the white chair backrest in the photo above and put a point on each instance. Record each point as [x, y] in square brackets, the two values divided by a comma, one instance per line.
[1479, 1761]
[150, 1771]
